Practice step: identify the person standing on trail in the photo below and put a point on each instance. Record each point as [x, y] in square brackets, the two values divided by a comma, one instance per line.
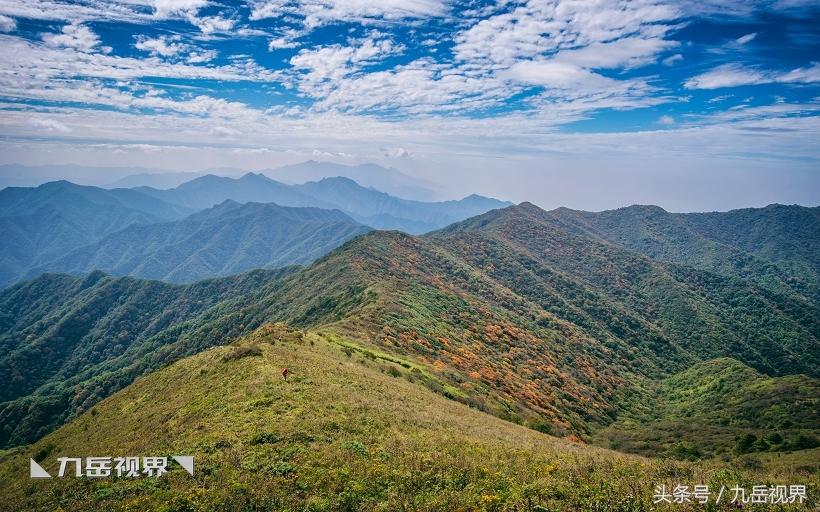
[285, 373]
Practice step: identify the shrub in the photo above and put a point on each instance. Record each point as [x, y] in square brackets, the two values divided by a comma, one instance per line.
[240, 352]
[264, 438]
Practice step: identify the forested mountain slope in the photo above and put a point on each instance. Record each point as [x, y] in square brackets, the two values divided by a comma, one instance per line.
[68, 342]
[777, 246]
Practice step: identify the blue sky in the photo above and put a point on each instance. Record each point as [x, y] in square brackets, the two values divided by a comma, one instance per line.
[593, 104]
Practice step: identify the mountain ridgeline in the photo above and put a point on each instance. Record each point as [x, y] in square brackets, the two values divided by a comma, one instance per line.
[167, 234]
[524, 314]
[366, 205]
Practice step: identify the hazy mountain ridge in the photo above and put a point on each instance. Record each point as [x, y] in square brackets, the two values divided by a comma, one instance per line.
[42, 223]
[374, 176]
[367, 205]
[227, 239]
[60, 226]
[210, 190]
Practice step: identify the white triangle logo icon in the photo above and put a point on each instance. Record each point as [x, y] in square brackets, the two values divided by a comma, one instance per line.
[187, 463]
[36, 471]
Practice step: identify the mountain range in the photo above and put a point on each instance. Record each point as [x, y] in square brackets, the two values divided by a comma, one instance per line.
[508, 312]
[229, 238]
[381, 178]
[366, 205]
[40, 224]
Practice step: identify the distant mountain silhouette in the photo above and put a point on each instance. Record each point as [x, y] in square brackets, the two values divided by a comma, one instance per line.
[381, 178]
[367, 205]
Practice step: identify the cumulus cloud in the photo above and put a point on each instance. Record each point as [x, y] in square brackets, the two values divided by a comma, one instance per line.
[331, 63]
[164, 46]
[76, 36]
[167, 8]
[280, 43]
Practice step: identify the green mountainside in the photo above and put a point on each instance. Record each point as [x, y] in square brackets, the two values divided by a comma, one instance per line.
[68, 342]
[505, 312]
[777, 246]
[349, 430]
[720, 406]
[227, 239]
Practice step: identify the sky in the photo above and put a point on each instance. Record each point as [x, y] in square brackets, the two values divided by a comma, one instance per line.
[593, 104]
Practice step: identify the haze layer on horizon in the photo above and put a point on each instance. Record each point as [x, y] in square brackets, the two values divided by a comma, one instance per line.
[692, 106]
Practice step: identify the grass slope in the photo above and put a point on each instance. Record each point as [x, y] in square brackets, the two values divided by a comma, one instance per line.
[345, 432]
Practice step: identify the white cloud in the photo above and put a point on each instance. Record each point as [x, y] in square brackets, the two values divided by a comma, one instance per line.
[556, 74]
[164, 46]
[213, 24]
[7, 24]
[172, 47]
[280, 43]
[74, 12]
[168, 8]
[22, 61]
[397, 153]
[78, 37]
[734, 75]
[745, 39]
[332, 63]
[627, 52]
[672, 60]
[50, 125]
[727, 75]
[805, 75]
[666, 121]
[539, 27]
[319, 12]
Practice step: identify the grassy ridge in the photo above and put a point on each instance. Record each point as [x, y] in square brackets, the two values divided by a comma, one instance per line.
[345, 432]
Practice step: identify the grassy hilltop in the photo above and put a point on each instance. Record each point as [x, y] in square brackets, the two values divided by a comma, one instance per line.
[350, 430]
